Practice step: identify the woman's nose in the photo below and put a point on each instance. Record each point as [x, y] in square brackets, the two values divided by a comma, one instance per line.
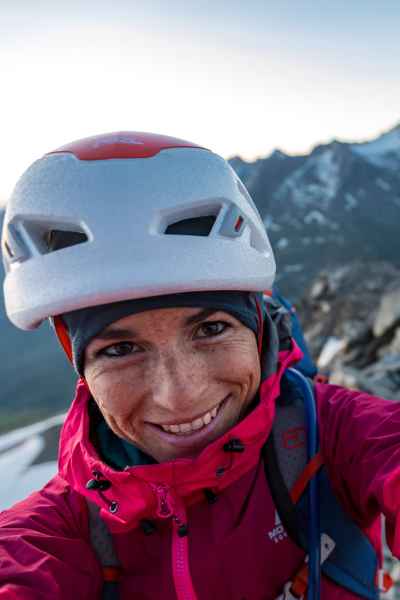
[180, 379]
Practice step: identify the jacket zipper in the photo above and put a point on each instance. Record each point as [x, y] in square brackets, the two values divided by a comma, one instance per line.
[174, 508]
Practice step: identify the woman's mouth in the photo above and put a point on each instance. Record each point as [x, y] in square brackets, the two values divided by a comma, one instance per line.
[192, 431]
[195, 425]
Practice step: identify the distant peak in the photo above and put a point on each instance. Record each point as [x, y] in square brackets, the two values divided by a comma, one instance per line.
[236, 158]
[383, 151]
[278, 154]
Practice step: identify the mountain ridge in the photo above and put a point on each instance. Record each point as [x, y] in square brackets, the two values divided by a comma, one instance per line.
[338, 203]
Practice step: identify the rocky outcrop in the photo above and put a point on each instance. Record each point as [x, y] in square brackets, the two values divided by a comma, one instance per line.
[352, 324]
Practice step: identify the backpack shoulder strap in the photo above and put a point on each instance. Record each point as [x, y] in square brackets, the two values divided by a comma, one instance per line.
[102, 544]
[353, 564]
[285, 457]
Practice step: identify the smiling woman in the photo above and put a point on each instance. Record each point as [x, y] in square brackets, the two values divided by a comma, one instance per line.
[177, 381]
[150, 259]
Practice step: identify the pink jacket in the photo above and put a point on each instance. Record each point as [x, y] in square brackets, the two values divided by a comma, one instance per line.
[236, 548]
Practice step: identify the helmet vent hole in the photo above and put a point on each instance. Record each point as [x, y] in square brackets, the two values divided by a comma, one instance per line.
[200, 226]
[57, 239]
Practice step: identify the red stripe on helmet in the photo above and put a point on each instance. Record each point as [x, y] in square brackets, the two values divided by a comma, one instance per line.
[122, 144]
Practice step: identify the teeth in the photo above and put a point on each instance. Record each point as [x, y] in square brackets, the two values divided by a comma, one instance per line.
[185, 428]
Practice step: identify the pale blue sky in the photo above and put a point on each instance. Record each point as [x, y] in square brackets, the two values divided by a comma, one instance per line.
[237, 77]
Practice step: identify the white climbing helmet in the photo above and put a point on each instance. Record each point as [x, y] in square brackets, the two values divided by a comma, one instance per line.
[128, 215]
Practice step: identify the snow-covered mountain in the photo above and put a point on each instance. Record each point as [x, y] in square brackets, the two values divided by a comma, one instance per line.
[383, 151]
[338, 203]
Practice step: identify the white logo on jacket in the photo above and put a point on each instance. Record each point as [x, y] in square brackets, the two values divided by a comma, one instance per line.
[278, 533]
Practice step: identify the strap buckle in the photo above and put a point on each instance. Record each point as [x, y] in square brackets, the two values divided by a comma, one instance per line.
[296, 589]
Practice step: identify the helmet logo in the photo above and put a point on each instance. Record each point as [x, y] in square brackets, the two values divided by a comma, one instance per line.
[118, 138]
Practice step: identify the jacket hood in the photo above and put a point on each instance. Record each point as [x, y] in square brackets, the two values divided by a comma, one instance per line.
[133, 494]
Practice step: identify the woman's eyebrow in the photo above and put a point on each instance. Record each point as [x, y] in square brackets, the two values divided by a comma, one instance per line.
[200, 316]
[116, 333]
[113, 333]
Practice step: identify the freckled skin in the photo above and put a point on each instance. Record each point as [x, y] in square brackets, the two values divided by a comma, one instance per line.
[172, 373]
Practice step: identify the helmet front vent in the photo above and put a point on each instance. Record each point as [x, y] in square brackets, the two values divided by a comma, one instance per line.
[28, 237]
[56, 239]
[200, 226]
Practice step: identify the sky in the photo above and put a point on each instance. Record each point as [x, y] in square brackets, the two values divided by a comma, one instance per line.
[241, 78]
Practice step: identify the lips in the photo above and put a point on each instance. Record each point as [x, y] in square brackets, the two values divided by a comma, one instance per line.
[193, 437]
[195, 425]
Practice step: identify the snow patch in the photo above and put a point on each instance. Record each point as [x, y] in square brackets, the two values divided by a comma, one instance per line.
[18, 435]
[350, 202]
[382, 152]
[31, 480]
[17, 459]
[293, 268]
[315, 217]
[384, 185]
[317, 181]
[19, 477]
[332, 347]
[270, 224]
[282, 244]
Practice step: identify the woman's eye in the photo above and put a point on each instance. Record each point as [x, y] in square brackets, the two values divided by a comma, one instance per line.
[211, 328]
[120, 349]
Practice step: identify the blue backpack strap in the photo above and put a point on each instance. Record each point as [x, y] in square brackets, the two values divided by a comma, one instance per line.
[353, 564]
[102, 544]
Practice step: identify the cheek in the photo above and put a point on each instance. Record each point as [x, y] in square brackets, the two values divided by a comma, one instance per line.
[247, 371]
[251, 377]
[239, 365]
[114, 395]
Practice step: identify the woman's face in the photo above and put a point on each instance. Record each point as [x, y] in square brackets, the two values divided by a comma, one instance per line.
[173, 380]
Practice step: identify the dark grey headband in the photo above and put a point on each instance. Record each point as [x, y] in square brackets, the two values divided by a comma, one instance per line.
[85, 324]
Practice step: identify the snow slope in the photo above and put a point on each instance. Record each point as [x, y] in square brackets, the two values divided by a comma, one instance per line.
[28, 459]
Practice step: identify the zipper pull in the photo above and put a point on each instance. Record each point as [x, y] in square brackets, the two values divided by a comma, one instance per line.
[166, 507]
[164, 504]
